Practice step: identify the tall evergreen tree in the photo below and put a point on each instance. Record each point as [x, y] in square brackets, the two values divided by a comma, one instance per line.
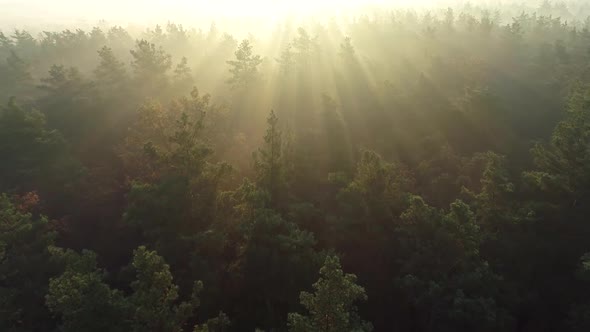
[25, 268]
[442, 273]
[183, 78]
[110, 73]
[151, 65]
[85, 302]
[155, 297]
[332, 306]
[268, 162]
[16, 77]
[79, 295]
[244, 68]
[33, 157]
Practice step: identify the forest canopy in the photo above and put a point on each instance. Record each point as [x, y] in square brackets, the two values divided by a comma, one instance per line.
[294, 166]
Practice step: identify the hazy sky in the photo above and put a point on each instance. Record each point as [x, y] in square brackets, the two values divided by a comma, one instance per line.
[138, 10]
[59, 13]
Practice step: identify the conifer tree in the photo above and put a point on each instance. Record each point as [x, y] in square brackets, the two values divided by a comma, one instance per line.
[79, 296]
[244, 68]
[151, 65]
[268, 161]
[332, 306]
[183, 77]
[110, 72]
[155, 296]
[25, 268]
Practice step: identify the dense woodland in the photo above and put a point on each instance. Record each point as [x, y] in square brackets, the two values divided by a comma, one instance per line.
[402, 171]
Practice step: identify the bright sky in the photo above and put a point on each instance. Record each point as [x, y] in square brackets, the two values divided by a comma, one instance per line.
[150, 9]
[36, 15]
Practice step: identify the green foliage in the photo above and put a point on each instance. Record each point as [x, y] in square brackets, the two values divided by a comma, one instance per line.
[563, 165]
[149, 61]
[69, 102]
[5, 41]
[80, 295]
[336, 136]
[305, 47]
[493, 203]
[33, 156]
[150, 65]
[154, 295]
[244, 69]
[347, 51]
[378, 191]
[443, 274]
[219, 324]
[332, 306]
[269, 243]
[164, 141]
[174, 196]
[269, 162]
[298, 56]
[286, 60]
[110, 74]
[183, 77]
[25, 268]
[17, 79]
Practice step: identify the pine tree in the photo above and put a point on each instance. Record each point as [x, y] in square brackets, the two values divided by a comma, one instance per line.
[19, 70]
[287, 60]
[111, 79]
[149, 60]
[151, 65]
[15, 77]
[81, 298]
[183, 77]
[347, 51]
[244, 69]
[155, 296]
[97, 37]
[69, 102]
[268, 161]
[332, 306]
[305, 47]
[5, 42]
[110, 72]
[221, 323]
[24, 43]
[442, 274]
[563, 165]
[25, 267]
[29, 150]
[85, 302]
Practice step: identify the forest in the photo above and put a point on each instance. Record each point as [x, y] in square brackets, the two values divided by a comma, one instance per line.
[394, 169]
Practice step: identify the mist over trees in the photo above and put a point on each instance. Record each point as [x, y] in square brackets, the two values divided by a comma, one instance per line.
[391, 170]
